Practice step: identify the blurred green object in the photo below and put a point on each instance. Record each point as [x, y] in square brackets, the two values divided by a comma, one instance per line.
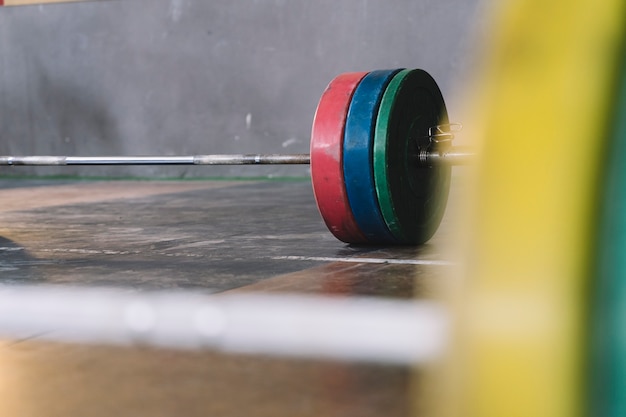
[608, 315]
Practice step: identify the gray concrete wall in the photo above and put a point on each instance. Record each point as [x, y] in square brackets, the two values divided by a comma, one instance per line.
[174, 77]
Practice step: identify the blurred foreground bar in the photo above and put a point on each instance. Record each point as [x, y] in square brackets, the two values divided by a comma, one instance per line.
[353, 329]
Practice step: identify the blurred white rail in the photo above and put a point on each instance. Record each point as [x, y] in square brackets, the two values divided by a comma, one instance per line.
[354, 328]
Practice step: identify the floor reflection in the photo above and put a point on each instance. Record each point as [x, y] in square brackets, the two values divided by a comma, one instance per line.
[45, 379]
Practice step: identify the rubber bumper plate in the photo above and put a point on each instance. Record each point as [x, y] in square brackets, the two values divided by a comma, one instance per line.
[412, 198]
[358, 146]
[326, 158]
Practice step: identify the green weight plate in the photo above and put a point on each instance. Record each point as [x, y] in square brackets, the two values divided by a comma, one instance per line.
[412, 198]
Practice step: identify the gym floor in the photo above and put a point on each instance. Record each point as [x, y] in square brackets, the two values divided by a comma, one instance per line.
[207, 236]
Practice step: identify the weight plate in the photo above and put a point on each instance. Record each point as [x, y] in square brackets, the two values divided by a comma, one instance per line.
[358, 155]
[412, 198]
[326, 158]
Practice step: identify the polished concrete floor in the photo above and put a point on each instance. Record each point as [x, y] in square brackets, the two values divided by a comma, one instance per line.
[209, 236]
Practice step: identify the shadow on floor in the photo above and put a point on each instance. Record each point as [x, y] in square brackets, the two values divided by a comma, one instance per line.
[17, 265]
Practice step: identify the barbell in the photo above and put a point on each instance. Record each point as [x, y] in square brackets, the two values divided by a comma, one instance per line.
[381, 151]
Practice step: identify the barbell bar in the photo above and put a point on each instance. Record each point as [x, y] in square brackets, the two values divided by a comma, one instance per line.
[456, 155]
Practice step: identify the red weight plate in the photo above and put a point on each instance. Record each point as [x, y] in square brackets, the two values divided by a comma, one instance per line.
[327, 158]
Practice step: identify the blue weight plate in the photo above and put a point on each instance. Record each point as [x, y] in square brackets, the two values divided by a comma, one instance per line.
[358, 158]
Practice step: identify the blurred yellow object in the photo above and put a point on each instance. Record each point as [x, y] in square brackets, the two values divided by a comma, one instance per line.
[546, 96]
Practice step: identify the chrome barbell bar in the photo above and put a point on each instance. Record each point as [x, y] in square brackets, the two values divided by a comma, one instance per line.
[455, 155]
